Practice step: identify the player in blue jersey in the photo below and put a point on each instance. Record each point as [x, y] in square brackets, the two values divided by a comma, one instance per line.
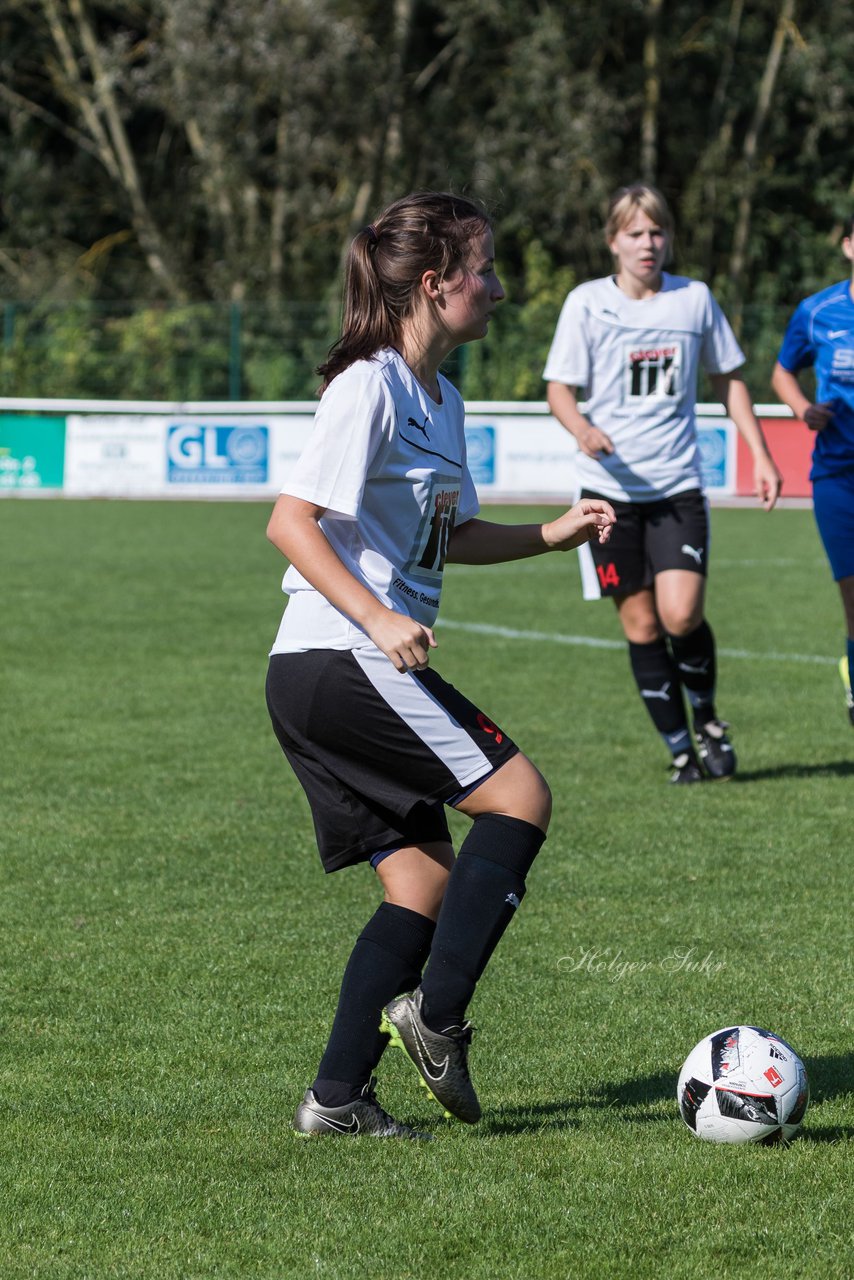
[633, 344]
[821, 335]
[379, 501]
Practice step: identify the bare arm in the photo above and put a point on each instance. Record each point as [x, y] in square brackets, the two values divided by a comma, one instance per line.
[786, 386]
[735, 397]
[563, 402]
[484, 542]
[294, 529]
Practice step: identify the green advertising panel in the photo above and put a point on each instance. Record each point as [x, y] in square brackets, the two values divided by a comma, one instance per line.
[32, 452]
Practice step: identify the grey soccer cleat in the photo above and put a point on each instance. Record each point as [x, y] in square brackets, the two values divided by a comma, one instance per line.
[715, 749]
[441, 1058]
[365, 1117]
[685, 769]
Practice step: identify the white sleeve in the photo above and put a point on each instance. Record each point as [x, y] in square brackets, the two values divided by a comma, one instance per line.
[469, 501]
[720, 352]
[569, 358]
[351, 424]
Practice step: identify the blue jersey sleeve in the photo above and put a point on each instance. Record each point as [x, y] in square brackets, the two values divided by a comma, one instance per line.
[797, 351]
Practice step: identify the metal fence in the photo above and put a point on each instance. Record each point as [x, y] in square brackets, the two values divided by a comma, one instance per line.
[267, 351]
[234, 351]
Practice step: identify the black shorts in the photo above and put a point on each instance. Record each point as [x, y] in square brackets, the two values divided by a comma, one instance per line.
[649, 537]
[378, 752]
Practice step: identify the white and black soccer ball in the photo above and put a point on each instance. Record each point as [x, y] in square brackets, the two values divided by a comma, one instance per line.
[743, 1084]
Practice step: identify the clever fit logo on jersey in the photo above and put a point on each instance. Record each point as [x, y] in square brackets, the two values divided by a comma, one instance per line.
[220, 453]
[653, 372]
[431, 544]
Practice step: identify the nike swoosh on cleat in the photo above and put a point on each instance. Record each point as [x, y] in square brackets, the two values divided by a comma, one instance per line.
[352, 1127]
[435, 1073]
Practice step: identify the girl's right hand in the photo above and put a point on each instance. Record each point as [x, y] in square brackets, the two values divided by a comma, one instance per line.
[405, 642]
[593, 441]
[590, 520]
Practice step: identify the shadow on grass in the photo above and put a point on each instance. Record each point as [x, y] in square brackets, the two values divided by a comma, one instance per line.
[830, 1076]
[629, 1098]
[834, 768]
[532, 1119]
[838, 1133]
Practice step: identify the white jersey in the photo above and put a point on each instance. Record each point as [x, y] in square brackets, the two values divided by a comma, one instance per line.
[636, 364]
[389, 466]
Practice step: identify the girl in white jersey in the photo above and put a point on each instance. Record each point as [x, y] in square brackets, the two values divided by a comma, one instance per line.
[632, 346]
[378, 503]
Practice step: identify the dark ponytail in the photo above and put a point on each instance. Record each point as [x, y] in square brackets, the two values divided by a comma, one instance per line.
[425, 231]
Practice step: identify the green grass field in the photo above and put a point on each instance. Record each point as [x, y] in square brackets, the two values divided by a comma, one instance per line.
[171, 949]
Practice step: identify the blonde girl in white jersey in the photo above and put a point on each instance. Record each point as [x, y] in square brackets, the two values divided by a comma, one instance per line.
[379, 502]
[631, 345]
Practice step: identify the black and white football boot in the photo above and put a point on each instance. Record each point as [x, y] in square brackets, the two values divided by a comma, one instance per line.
[715, 749]
[685, 768]
[440, 1057]
[364, 1117]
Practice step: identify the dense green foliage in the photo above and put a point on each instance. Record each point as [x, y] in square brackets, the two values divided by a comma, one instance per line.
[171, 950]
[184, 152]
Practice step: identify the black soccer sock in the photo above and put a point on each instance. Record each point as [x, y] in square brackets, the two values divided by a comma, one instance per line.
[387, 959]
[659, 686]
[485, 888]
[694, 656]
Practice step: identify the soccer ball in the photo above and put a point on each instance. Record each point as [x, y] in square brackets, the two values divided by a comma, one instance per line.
[742, 1084]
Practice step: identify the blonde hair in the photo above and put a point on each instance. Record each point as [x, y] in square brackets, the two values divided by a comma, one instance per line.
[625, 202]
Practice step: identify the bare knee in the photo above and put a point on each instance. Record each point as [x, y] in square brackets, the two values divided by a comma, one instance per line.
[416, 877]
[681, 622]
[516, 790]
[646, 632]
[638, 617]
[679, 601]
[540, 800]
[425, 899]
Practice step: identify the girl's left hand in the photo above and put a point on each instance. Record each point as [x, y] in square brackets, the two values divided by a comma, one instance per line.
[589, 520]
[767, 480]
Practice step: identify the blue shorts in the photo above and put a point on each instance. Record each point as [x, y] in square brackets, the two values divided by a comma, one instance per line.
[833, 504]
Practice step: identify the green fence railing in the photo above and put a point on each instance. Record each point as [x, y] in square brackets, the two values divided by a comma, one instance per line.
[266, 351]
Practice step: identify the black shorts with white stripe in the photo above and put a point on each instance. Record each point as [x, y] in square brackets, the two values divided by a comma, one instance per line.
[378, 752]
[648, 538]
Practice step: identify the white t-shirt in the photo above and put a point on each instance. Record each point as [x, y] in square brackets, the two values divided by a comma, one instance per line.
[636, 364]
[389, 465]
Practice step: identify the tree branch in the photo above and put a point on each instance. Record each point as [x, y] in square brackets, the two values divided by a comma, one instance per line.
[17, 100]
[782, 31]
[149, 233]
[651, 92]
[74, 90]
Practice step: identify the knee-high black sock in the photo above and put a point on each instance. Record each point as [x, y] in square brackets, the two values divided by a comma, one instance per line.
[485, 888]
[659, 686]
[387, 959]
[694, 656]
